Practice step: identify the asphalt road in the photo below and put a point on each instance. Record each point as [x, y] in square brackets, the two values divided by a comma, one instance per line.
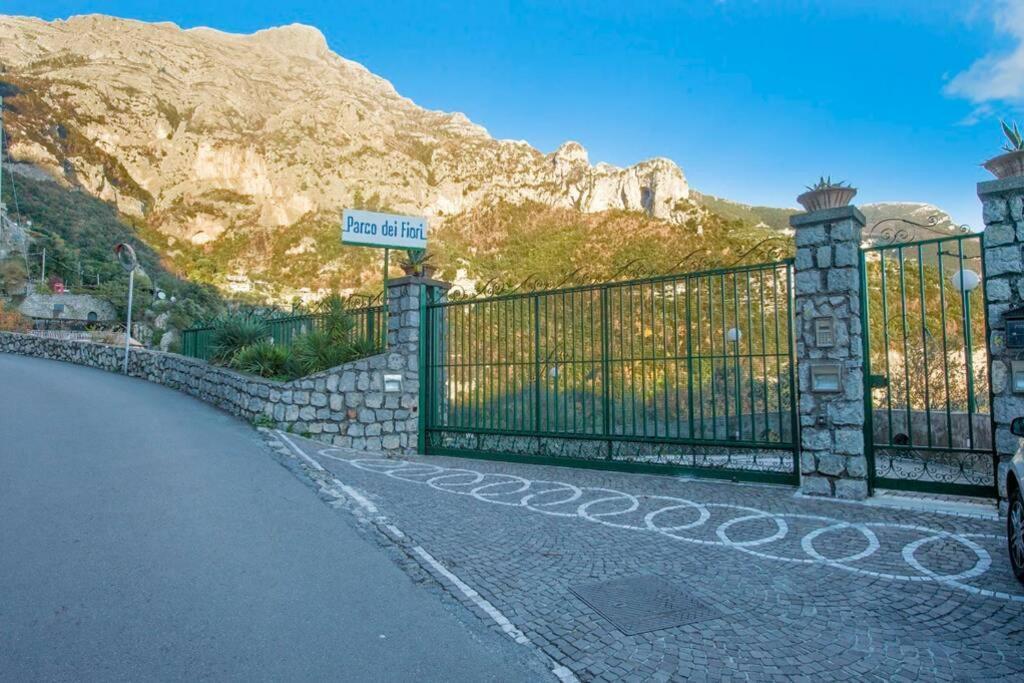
[145, 535]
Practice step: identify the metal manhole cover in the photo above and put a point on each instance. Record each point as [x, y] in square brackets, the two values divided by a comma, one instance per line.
[639, 604]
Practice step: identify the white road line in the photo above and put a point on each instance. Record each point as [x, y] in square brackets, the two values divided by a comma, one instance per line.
[312, 463]
[477, 599]
[359, 498]
[563, 673]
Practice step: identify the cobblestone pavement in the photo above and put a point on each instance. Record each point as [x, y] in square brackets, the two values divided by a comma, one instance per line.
[801, 589]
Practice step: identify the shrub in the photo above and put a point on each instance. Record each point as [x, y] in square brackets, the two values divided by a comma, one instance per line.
[264, 359]
[338, 323]
[318, 351]
[362, 347]
[13, 321]
[13, 275]
[233, 333]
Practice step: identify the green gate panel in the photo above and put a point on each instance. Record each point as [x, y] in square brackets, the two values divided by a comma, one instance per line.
[692, 372]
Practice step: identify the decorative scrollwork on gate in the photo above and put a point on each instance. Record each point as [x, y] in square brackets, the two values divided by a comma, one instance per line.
[580, 277]
[954, 467]
[894, 230]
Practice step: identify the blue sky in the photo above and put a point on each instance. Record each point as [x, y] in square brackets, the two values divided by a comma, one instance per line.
[753, 99]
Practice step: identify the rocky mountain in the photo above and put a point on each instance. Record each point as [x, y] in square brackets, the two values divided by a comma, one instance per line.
[219, 139]
[233, 155]
[889, 221]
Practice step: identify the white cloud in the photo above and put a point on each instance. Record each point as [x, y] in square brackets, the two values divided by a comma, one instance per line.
[996, 76]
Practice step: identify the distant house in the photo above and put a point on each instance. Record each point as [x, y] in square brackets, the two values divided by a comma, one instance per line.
[65, 306]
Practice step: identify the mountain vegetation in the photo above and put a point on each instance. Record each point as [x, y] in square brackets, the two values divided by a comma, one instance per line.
[79, 231]
[227, 159]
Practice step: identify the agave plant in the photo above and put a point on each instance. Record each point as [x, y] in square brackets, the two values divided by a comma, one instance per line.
[826, 184]
[1014, 140]
[318, 351]
[417, 262]
[264, 359]
[1010, 163]
[234, 332]
[338, 323]
[826, 194]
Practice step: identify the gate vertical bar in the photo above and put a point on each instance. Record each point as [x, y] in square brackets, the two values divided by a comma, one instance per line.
[794, 425]
[605, 374]
[869, 422]
[536, 363]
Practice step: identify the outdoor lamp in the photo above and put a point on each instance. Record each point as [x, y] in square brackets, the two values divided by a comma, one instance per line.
[733, 335]
[965, 280]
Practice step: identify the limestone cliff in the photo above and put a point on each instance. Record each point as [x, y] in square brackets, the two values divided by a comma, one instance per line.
[208, 133]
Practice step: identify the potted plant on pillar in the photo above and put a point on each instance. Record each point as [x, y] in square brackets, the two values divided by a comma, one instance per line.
[1011, 163]
[826, 194]
[417, 262]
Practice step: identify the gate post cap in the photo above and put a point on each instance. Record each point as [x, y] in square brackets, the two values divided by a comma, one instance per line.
[418, 280]
[1004, 185]
[805, 219]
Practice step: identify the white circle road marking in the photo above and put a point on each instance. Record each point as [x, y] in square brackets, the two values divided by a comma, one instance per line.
[489, 487]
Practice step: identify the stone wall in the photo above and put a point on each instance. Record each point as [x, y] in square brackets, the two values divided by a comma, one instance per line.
[827, 286]
[1003, 213]
[345, 406]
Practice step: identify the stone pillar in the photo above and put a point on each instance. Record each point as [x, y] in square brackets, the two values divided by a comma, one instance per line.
[827, 288]
[407, 298]
[1003, 203]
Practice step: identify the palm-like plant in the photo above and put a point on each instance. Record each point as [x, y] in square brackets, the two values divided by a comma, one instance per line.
[234, 332]
[264, 359]
[338, 323]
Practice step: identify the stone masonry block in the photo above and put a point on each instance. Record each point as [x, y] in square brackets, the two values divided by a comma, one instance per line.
[823, 257]
[815, 485]
[998, 289]
[849, 441]
[857, 466]
[1003, 260]
[831, 464]
[816, 439]
[809, 235]
[851, 489]
[845, 231]
[808, 282]
[804, 258]
[994, 210]
[843, 279]
[998, 234]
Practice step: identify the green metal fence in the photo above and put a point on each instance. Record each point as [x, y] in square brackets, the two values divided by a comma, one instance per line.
[371, 323]
[689, 372]
[928, 405]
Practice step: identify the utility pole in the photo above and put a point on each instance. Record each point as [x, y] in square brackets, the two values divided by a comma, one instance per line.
[42, 278]
[1, 166]
[1, 157]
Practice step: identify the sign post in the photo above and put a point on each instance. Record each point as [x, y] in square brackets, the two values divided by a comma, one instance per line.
[383, 230]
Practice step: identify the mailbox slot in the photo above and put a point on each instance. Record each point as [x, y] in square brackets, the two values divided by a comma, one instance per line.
[826, 377]
[1017, 376]
[1014, 320]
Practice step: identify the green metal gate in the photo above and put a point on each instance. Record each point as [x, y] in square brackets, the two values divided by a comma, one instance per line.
[691, 373]
[928, 423]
